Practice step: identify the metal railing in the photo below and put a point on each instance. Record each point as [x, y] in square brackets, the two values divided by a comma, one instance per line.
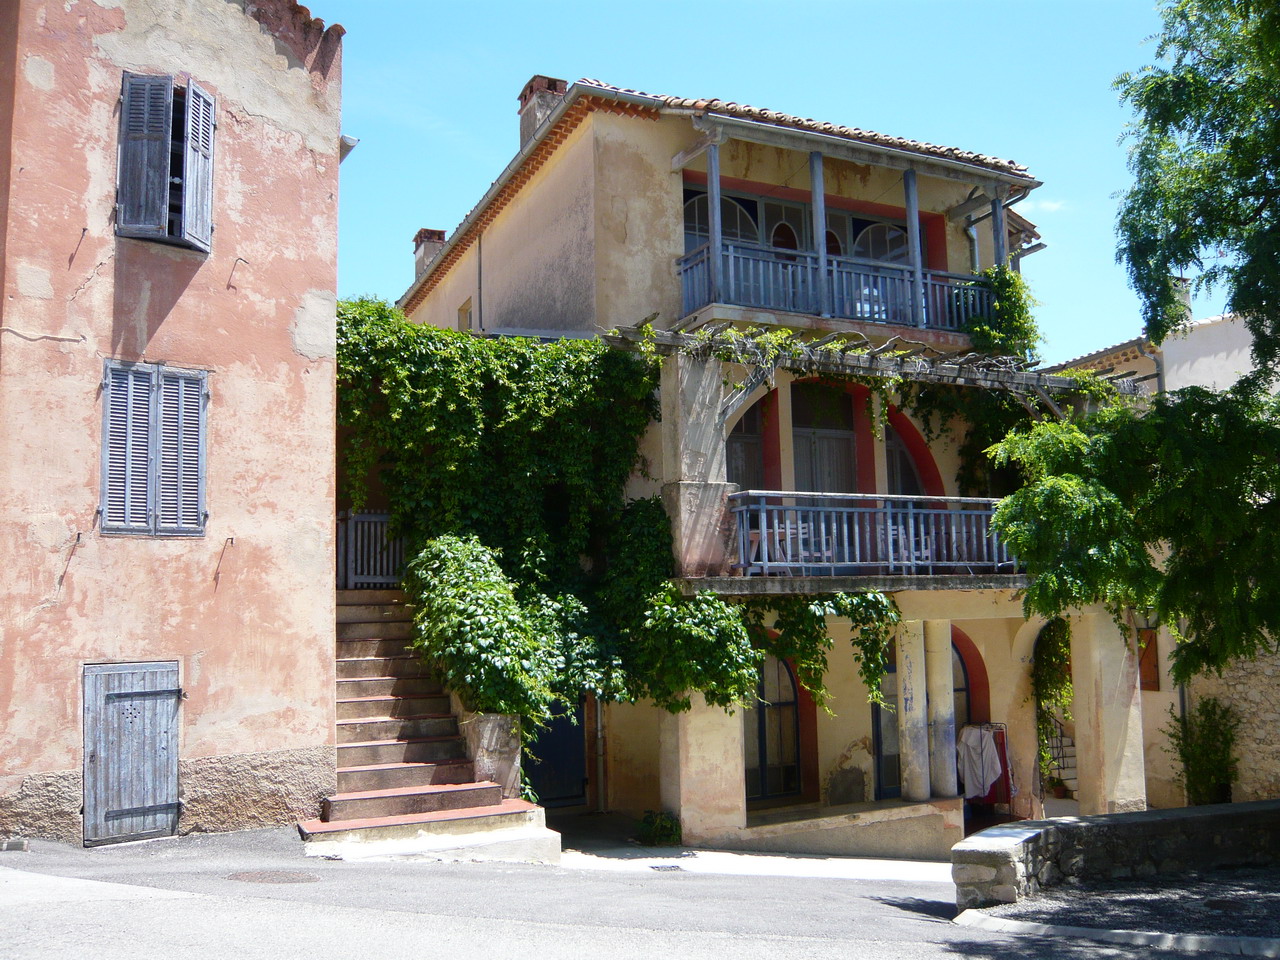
[771, 278]
[832, 534]
[368, 558]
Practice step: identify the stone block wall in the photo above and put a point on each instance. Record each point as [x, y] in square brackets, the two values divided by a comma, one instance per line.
[1009, 862]
[1252, 687]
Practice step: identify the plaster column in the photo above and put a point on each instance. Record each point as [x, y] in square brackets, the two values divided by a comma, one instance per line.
[913, 726]
[703, 780]
[693, 453]
[942, 708]
[915, 252]
[715, 231]
[818, 211]
[1108, 716]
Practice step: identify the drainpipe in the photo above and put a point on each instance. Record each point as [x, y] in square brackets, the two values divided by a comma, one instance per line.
[601, 805]
[1156, 358]
[975, 262]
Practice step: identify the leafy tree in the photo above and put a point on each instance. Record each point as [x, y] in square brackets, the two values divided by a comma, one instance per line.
[1206, 159]
[1172, 510]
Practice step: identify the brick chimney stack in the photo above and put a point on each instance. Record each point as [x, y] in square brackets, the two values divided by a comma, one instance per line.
[426, 244]
[538, 98]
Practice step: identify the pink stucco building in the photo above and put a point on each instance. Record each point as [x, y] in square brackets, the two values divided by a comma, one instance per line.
[168, 223]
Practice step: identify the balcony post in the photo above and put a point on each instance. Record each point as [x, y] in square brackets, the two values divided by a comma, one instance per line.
[715, 228]
[999, 232]
[818, 205]
[913, 246]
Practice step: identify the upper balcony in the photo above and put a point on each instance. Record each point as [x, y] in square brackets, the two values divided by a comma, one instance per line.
[847, 288]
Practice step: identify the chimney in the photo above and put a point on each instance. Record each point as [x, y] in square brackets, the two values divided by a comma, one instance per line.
[538, 98]
[426, 244]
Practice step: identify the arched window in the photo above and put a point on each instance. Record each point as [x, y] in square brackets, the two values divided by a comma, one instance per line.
[784, 237]
[834, 247]
[882, 241]
[744, 450]
[771, 735]
[904, 478]
[736, 222]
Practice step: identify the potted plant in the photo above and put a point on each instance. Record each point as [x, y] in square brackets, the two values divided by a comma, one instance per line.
[1056, 786]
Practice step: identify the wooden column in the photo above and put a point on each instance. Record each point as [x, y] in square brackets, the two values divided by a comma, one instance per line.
[715, 228]
[999, 232]
[818, 203]
[913, 727]
[942, 708]
[914, 249]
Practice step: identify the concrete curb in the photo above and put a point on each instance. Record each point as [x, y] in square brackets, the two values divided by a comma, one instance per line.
[1197, 943]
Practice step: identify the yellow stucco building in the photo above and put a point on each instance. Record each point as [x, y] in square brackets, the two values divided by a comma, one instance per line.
[705, 214]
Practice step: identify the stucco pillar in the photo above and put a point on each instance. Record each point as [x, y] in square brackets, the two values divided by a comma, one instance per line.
[693, 452]
[942, 708]
[703, 780]
[913, 726]
[1108, 716]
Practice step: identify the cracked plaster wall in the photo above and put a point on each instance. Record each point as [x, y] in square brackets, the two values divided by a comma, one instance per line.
[247, 610]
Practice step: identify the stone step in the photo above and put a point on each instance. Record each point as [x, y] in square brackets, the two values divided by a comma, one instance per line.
[399, 801]
[364, 708]
[384, 776]
[348, 597]
[406, 665]
[371, 647]
[367, 729]
[400, 630]
[414, 749]
[388, 686]
[373, 613]
[507, 813]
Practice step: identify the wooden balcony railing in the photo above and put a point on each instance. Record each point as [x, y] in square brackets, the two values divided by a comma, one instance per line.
[770, 278]
[848, 534]
[368, 558]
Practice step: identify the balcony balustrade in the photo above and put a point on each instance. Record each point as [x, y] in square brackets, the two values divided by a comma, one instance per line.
[785, 533]
[770, 278]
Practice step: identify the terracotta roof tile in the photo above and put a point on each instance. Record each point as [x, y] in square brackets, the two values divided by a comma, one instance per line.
[744, 111]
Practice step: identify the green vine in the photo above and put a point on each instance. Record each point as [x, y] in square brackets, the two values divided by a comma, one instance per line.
[1051, 688]
[503, 463]
[1010, 329]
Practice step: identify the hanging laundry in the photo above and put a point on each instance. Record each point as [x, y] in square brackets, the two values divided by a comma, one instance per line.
[978, 760]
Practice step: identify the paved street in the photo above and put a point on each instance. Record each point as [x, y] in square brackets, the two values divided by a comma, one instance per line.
[254, 895]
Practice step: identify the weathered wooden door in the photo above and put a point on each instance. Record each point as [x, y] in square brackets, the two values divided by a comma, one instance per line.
[130, 751]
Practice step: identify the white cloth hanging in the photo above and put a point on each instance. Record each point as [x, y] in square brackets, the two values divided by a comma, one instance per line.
[978, 760]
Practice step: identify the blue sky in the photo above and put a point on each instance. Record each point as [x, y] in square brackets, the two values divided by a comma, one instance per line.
[430, 90]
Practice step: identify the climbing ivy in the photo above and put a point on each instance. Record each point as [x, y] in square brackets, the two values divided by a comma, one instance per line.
[503, 462]
[1010, 329]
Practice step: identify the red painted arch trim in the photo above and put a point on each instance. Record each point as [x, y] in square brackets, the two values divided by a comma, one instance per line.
[979, 685]
[918, 448]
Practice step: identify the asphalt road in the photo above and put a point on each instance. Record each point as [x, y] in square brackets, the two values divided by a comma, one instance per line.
[254, 895]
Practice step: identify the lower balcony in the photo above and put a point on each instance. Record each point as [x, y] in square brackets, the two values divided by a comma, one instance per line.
[788, 534]
[788, 281]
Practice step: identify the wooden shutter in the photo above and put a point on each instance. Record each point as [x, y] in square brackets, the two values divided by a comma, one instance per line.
[197, 183]
[180, 475]
[146, 129]
[126, 448]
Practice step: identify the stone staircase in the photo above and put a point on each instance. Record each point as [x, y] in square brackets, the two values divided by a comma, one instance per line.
[405, 783]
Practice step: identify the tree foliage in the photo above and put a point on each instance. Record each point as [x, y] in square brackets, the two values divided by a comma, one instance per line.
[1205, 154]
[1171, 511]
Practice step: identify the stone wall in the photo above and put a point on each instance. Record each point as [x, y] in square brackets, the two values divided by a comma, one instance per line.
[1252, 687]
[1007, 863]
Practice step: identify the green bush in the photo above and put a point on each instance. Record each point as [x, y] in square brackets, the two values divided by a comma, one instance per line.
[1203, 740]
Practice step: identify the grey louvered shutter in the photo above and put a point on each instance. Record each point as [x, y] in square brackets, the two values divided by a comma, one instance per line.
[126, 448]
[180, 476]
[146, 132]
[197, 181]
